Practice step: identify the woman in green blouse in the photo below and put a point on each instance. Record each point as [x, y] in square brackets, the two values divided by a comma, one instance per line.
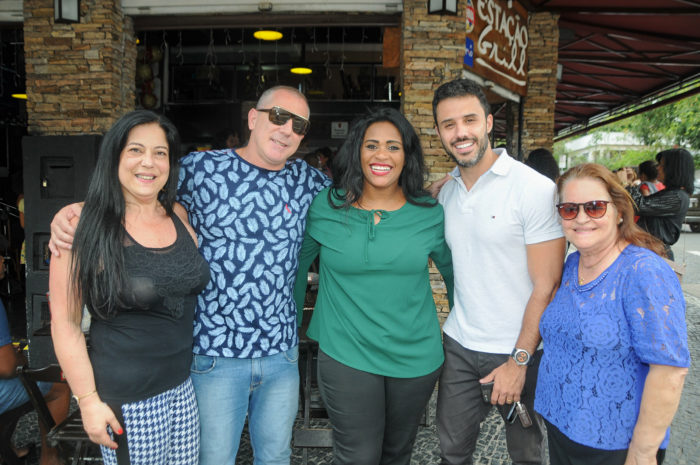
[375, 319]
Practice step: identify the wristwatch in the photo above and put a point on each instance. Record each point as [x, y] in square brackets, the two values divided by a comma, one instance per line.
[79, 398]
[522, 357]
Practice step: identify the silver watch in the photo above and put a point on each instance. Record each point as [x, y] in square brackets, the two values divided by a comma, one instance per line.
[522, 357]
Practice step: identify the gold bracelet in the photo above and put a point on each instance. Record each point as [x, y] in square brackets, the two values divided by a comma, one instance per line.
[79, 398]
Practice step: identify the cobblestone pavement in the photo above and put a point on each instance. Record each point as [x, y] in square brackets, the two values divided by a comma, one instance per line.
[684, 448]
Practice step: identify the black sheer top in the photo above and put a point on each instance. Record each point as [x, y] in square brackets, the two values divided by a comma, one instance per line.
[146, 349]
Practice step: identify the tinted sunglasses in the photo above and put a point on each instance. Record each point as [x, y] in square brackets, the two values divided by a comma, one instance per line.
[594, 209]
[279, 116]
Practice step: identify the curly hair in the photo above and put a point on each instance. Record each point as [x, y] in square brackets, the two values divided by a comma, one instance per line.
[348, 179]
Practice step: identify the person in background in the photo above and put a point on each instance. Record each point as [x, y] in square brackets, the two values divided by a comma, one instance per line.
[313, 159]
[648, 172]
[225, 140]
[662, 214]
[13, 394]
[615, 339]
[135, 266]
[507, 252]
[542, 161]
[325, 155]
[232, 140]
[380, 351]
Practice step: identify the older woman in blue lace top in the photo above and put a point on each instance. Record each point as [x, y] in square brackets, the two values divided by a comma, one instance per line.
[615, 339]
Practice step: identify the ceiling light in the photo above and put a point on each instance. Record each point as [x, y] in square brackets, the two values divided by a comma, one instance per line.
[267, 35]
[20, 96]
[301, 70]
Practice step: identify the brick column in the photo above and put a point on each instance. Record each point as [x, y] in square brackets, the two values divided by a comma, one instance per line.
[432, 50]
[432, 53]
[538, 108]
[80, 77]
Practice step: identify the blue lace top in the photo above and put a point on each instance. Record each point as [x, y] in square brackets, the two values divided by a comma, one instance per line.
[599, 339]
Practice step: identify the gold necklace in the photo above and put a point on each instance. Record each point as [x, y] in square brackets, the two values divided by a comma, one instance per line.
[581, 279]
[594, 268]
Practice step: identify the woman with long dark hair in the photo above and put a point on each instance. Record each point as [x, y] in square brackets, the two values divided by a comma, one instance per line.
[135, 267]
[380, 349]
[662, 214]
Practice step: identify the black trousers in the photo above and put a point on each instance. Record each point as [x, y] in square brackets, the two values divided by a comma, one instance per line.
[564, 451]
[375, 418]
[460, 408]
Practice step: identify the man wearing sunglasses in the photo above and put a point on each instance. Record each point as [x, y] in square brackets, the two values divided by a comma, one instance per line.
[248, 207]
[508, 250]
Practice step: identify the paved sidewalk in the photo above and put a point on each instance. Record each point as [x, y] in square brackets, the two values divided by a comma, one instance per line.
[684, 448]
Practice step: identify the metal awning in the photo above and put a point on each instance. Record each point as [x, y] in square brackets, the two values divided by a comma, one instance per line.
[617, 57]
[622, 57]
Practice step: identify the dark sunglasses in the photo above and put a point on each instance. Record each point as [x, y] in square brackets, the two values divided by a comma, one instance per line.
[279, 116]
[595, 209]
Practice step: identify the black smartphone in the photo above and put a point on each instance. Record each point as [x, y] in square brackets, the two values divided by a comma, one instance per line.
[486, 390]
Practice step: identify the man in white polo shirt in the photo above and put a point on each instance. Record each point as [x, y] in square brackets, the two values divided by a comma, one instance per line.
[508, 251]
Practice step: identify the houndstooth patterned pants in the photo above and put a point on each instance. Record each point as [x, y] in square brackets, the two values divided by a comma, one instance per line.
[161, 430]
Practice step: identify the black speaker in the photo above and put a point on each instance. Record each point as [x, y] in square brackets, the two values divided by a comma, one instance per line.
[57, 172]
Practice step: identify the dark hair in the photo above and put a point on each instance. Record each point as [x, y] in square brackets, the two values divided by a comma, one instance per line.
[348, 179]
[313, 159]
[628, 229]
[679, 169]
[460, 88]
[542, 161]
[326, 152]
[648, 170]
[98, 260]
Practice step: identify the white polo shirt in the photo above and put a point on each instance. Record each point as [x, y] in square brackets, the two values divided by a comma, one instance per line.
[487, 229]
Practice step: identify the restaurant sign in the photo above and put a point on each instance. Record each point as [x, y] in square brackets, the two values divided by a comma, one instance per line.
[496, 42]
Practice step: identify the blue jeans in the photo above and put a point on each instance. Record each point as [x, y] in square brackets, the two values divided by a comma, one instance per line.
[227, 389]
[13, 394]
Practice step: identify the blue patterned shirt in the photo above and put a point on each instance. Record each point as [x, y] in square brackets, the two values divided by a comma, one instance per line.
[250, 225]
[599, 339]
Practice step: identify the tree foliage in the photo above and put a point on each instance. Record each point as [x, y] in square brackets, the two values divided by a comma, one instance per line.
[674, 125]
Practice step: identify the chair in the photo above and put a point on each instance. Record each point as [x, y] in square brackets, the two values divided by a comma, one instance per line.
[311, 404]
[8, 422]
[69, 437]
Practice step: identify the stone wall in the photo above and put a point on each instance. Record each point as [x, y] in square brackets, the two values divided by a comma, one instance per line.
[432, 53]
[80, 77]
[538, 108]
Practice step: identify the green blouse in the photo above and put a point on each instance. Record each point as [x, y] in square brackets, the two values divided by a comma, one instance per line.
[375, 310]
